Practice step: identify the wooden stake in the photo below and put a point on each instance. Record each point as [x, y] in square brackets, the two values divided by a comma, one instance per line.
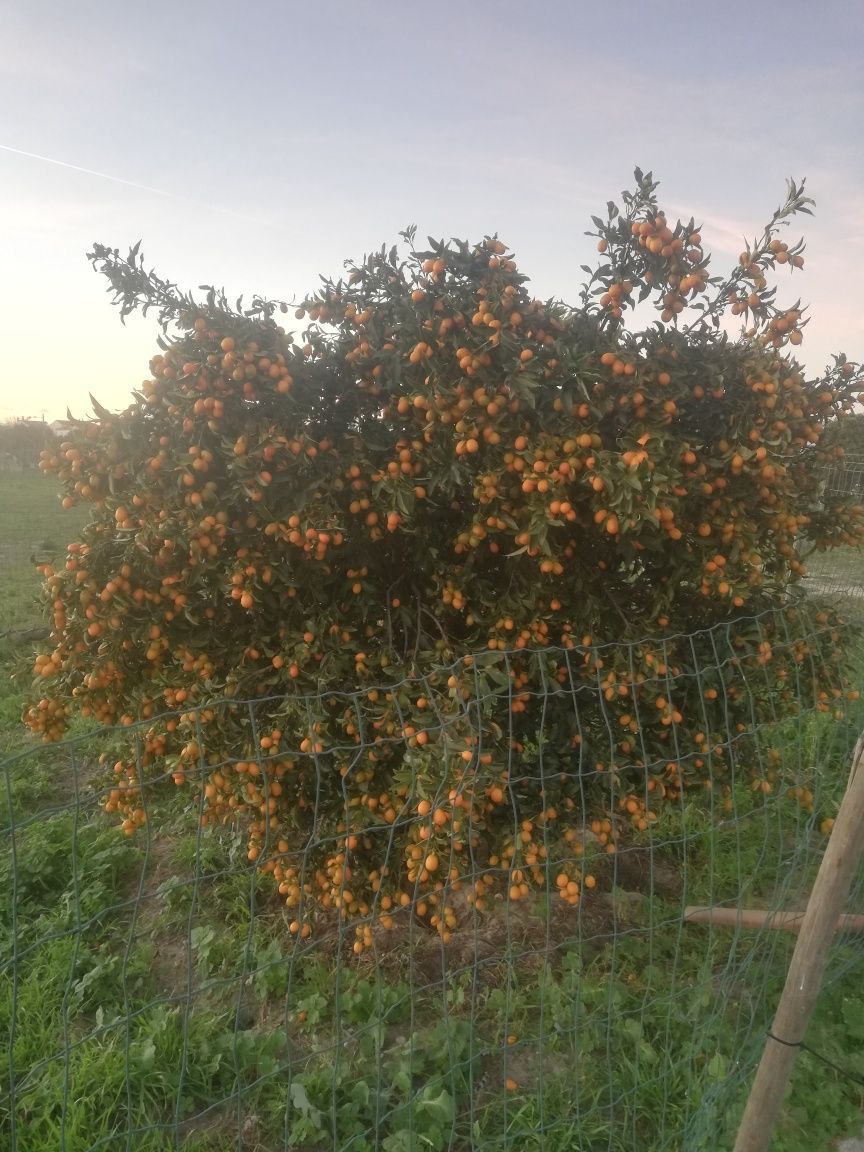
[807, 968]
[760, 918]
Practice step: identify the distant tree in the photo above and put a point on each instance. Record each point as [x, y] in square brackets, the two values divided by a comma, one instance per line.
[848, 434]
[24, 440]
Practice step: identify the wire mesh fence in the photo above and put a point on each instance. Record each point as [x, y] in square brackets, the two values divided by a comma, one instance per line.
[846, 477]
[839, 573]
[310, 987]
[239, 955]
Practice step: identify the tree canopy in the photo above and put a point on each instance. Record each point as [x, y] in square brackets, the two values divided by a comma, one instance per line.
[410, 538]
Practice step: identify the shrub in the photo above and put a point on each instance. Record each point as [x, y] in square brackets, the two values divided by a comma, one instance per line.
[361, 585]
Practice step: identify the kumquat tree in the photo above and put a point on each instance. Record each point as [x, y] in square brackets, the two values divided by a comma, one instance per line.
[346, 578]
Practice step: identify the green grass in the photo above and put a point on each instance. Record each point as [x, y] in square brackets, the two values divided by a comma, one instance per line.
[152, 998]
[840, 573]
[32, 525]
[152, 990]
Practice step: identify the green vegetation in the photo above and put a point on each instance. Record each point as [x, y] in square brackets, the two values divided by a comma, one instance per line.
[21, 441]
[840, 574]
[849, 434]
[156, 993]
[32, 524]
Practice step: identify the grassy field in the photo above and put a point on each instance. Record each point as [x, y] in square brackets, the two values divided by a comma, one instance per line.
[841, 573]
[32, 525]
[153, 998]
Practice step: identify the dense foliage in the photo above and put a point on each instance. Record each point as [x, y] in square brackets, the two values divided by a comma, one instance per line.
[411, 535]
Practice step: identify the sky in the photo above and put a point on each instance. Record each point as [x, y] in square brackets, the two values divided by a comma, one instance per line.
[257, 145]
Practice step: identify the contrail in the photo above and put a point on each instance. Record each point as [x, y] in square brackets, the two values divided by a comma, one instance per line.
[135, 184]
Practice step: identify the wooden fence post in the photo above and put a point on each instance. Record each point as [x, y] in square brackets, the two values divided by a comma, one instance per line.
[807, 968]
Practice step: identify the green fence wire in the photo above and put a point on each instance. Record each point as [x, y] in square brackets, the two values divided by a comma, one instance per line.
[154, 996]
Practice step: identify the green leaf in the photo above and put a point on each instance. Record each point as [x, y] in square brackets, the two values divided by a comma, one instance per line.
[401, 1141]
[717, 1066]
[300, 1100]
[145, 1055]
[440, 1108]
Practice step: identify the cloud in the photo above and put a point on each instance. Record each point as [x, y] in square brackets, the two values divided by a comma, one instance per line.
[139, 187]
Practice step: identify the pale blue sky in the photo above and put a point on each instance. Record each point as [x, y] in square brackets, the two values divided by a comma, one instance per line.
[273, 139]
